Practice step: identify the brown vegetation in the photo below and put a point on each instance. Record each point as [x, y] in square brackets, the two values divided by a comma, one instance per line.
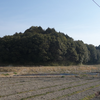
[49, 69]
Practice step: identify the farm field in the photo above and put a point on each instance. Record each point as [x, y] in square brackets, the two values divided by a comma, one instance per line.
[49, 88]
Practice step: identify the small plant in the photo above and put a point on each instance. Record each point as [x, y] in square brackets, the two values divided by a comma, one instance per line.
[83, 75]
[5, 74]
[88, 97]
[62, 76]
[15, 73]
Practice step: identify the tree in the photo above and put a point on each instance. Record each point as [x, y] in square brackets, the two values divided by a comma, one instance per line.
[39, 46]
[82, 52]
[93, 54]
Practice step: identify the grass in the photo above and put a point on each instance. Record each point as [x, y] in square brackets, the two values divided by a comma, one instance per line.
[88, 97]
[83, 75]
[5, 74]
[62, 76]
[80, 71]
[51, 69]
[15, 73]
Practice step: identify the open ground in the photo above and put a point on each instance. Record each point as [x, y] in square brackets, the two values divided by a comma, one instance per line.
[30, 88]
[80, 87]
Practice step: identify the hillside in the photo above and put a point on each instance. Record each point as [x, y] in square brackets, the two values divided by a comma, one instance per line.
[37, 46]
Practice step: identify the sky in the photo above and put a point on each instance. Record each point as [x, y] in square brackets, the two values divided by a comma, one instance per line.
[79, 19]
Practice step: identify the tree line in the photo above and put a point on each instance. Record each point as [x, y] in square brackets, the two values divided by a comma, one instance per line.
[37, 46]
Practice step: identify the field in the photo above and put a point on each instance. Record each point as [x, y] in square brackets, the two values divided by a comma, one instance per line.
[55, 88]
[80, 87]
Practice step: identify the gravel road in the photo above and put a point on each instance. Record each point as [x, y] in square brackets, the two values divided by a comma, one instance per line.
[55, 88]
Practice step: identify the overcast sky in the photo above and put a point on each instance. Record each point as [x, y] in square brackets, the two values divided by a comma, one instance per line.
[80, 19]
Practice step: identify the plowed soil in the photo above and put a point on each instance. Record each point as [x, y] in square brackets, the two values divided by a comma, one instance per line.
[45, 88]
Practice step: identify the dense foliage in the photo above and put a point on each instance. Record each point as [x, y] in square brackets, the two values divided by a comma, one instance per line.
[46, 47]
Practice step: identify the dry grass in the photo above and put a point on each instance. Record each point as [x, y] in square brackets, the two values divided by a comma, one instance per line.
[50, 69]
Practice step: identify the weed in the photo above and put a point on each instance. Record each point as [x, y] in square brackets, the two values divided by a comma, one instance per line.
[62, 76]
[83, 75]
[5, 74]
[88, 97]
[51, 69]
[15, 72]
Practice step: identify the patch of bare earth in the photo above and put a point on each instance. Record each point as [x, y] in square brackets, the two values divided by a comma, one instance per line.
[55, 88]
